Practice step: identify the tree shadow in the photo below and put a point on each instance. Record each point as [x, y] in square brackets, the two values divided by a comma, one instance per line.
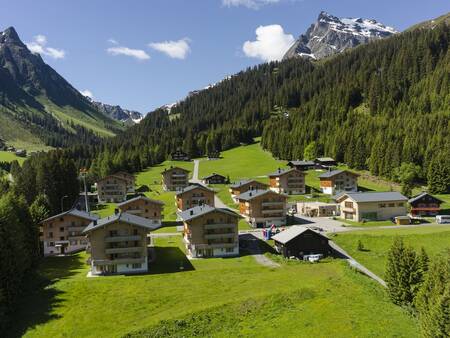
[250, 245]
[364, 189]
[169, 260]
[40, 297]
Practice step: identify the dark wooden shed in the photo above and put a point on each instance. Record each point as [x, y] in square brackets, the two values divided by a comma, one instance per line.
[299, 241]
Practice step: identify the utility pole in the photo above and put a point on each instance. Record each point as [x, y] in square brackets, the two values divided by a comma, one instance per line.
[83, 175]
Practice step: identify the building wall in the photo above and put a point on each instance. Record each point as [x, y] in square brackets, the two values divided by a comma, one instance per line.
[145, 209]
[98, 245]
[171, 183]
[194, 198]
[67, 230]
[345, 181]
[112, 190]
[380, 211]
[195, 234]
[291, 183]
[255, 210]
[305, 244]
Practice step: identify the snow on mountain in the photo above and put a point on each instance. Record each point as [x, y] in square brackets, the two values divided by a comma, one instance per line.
[331, 35]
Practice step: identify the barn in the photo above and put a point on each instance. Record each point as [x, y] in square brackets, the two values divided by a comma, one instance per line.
[299, 241]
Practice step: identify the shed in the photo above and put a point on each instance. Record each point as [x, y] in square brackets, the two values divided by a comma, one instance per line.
[299, 241]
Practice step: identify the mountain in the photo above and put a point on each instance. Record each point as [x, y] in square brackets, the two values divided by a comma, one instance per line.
[373, 107]
[331, 35]
[129, 117]
[38, 107]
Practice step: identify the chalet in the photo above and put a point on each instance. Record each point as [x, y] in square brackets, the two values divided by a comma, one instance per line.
[179, 155]
[144, 207]
[175, 179]
[298, 241]
[21, 153]
[112, 189]
[336, 181]
[131, 180]
[214, 179]
[287, 181]
[302, 165]
[119, 244]
[317, 209]
[425, 204]
[245, 185]
[263, 208]
[325, 162]
[213, 155]
[371, 206]
[62, 233]
[210, 232]
[194, 195]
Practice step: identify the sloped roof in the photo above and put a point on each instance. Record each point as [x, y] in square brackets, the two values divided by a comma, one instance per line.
[293, 232]
[251, 194]
[245, 182]
[193, 187]
[174, 168]
[122, 217]
[73, 212]
[140, 198]
[332, 173]
[281, 172]
[201, 210]
[112, 176]
[212, 175]
[374, 196]
[325, 159]
[423, 194]
[299, 163]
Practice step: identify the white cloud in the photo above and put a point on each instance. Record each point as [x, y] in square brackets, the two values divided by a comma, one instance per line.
[113, 41]
[136, 53]
[87, 93]
[270, 45]
[253, 4]
[175, 49]
[38, 46]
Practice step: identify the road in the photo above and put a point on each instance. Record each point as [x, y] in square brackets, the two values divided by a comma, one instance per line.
[194, 178]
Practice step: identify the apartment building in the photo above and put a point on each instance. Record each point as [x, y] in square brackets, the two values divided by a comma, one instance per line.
[287, 181]
[371, 206]
[263, 208]
[336, 181]
[62, 233]
[210, 231]
[175, 179]
[119, 244]
[245, 185]
[131, 180]
[144, 207]
[112, 189]
[194, 195]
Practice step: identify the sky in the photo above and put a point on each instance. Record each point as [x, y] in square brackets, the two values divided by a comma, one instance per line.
[142, 54]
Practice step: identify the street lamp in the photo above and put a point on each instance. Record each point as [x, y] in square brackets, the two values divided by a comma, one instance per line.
[62, 202]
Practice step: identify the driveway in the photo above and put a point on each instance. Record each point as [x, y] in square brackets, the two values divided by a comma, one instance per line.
[254, 248]
[194, 178]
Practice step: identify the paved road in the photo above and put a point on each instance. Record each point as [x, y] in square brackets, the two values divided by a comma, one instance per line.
[352, 262]
[194, 178]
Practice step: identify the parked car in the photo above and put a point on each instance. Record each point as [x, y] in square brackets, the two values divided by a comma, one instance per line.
[443, 219]
[312, 258]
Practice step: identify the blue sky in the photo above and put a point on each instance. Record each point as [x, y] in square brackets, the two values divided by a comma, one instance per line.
[142, 54]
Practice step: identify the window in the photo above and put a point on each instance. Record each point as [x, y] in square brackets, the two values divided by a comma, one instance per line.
[349, 204]
[135, 232]
[113, 233]
[61, 219]
[50, 235]
[146, 210]
[61, 229]
[391, 205]
[137, 265]
[400, 204]
[51, 244]
[61, 238]
[229, 249]
[73, 223]
[50, 225]
[155, 214]
[382, 205]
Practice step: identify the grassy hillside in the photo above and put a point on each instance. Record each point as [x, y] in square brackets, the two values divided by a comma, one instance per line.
[210, 297]
[6, 156]
[377, 242]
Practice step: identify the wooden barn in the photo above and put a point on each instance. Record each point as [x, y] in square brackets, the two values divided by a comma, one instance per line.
[299, 241]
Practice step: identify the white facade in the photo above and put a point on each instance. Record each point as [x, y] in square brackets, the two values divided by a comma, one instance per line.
[99, 268]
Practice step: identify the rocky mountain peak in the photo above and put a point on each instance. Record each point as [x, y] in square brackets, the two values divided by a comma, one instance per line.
[9, 35]
[331, 35]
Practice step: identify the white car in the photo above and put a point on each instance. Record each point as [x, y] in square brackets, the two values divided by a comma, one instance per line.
[312, 258]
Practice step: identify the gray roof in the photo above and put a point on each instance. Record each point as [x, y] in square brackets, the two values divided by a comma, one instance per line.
[280, 172]
[291, 233]
[198, 211]
[332, 173]
[192, 187]
[325, 159]
[122, 217]
[375, 196]
[301, 162]
[251, 194]
[418, 197]
[140, 198]
[74, 212]
[212, 175]
[244, 182]
[173, 168]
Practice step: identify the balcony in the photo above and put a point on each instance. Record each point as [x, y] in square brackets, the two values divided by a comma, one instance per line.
[123, 250]
[126, 238]
[213, 246]
[295, 179]
[269, 204]
[272, 211]
[134, 211]
[219, 226]
[349, 210]
[179, 176]
[76, 228]
[217, 236]
[118, 261]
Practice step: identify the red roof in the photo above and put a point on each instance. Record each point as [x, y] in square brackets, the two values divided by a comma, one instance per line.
[425, 209]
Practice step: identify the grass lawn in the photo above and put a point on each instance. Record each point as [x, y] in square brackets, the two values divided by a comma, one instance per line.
[366, 224]
[213, 297]
[377, 242]
[6, 156]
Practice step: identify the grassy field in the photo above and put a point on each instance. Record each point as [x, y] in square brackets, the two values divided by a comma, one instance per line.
[6, 156]
[211, 297]
[366, 224]
[377, 242]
